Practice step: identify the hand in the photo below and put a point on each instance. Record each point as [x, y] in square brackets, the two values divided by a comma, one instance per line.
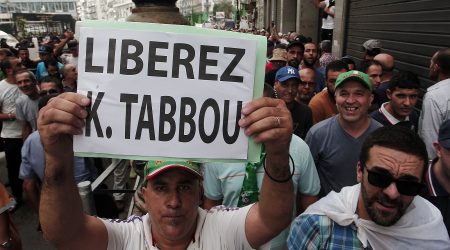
[59, 120]
[269, 121]
[69, 35]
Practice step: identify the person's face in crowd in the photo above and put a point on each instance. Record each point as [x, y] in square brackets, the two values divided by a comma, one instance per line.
[295, 56]
[385, 206]
[353, 101]
[351, 66]
[307, 84]
[24, 54]
[26, 84]
[2, 55]
[52, 70]
[70, 72]
[44, 56]
[375, 72]
[310, 54]
[278, 64]
[434, 68]
[287, 90]
[47, 88]
[15, 66]
[172, 199]
[331, 80]
[74, 51]
[402, 101]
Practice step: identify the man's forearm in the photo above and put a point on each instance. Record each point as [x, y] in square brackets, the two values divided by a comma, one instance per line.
[60, 210]
[279, 193]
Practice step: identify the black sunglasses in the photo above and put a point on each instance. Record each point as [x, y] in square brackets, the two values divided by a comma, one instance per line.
[48, 92]
[383, 180]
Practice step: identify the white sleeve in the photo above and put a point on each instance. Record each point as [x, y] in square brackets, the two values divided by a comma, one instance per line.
[125, 234]
[224, 228]
[429, 122]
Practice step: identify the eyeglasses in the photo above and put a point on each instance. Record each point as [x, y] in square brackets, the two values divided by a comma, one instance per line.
[310, 84]
[383, 180]
[48, 92]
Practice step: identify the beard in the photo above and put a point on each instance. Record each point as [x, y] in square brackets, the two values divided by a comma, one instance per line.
[379, 217]
[294, 63]
[305, 98]
[309, 64]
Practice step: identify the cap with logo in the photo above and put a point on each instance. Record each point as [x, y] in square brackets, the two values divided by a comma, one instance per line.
[372, 44]
[444, 134]
[279, 55]
[155, 168]
[354, 75]
[286, 73]
[45, 49]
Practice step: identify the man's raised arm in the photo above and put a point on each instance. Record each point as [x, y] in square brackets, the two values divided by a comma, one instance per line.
[61, 212]
[269, 122]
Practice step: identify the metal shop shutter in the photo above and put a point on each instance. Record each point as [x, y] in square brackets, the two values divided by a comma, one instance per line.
[410, 30]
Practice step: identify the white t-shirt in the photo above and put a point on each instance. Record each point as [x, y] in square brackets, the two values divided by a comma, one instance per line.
[328, 23]
[8, 96]
[217, 228]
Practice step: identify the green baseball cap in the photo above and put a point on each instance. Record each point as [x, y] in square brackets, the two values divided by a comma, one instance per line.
[354, 75]
[154, 168]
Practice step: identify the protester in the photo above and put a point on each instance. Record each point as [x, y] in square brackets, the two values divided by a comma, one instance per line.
[383, 211]
[371, 48]
[27, 104]
[70, 76]
[12, 129]
[277, 61]
[311, 60]
[172, 192]
[403, 94]
[328, 7]
[334, 141]
[287, 80]
[306, 87]
[323, 104]
[437, 177]
[435, 108]
[295, 52]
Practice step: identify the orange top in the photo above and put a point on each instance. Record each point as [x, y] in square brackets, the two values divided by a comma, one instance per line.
[322, 106]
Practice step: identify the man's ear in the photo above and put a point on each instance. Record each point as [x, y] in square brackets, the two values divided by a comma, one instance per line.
[437, 148]
[359, 172]
[389, 94]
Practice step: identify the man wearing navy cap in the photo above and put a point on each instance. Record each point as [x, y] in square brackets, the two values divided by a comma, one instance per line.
[437, 177]
[45, 54]
[287, 80]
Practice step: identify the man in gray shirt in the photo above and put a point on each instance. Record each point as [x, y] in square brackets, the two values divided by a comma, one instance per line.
[335, 142]
[27, 104]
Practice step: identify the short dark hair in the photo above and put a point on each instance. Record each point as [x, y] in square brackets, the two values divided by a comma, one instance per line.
[373, 52]
[365, 65]
[44, 100]
[395, 137]
[325, 46]
[404, 80]
[52, 79]
[336, 65]
[51, 62]
[32, 76]
[443, 60]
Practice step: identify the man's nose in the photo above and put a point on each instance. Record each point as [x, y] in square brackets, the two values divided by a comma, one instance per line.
[174, 200]
[391, 191]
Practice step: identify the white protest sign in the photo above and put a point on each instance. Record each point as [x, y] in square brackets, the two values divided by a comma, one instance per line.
[161, 94]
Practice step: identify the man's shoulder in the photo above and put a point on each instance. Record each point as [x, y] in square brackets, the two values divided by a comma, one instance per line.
[323, 126]
[439, 86]
[319, 97]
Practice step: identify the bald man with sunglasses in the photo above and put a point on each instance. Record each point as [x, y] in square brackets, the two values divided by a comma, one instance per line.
[383, 211]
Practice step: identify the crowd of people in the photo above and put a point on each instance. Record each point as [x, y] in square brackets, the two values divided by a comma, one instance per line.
[348, 160]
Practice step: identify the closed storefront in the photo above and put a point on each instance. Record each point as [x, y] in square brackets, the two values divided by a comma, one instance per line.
[411, 30]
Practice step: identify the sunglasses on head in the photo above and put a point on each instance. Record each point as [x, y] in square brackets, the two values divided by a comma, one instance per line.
[383, 180]
[48, 92]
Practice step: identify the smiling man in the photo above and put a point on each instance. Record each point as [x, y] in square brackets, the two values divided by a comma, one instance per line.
[27, 104]
[334, 141]
[403, 94]
[383, 211]
[287, 81]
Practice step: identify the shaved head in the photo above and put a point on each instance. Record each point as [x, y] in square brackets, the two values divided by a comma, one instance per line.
[387, 64]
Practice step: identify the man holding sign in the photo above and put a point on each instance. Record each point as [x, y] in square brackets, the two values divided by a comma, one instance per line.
[172, 192]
